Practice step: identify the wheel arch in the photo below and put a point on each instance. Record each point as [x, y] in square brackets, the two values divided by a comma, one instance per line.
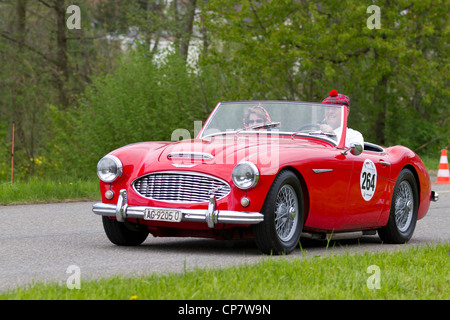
[304, 186]
[416, 178]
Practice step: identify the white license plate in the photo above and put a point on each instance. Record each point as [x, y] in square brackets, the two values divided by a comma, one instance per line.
[163, 215]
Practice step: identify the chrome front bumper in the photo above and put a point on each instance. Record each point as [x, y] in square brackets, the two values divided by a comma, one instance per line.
[211, 216]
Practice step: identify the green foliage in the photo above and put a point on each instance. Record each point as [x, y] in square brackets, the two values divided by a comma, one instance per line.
[143, 100]
[395, 76]
[41, 65]
[5, 166]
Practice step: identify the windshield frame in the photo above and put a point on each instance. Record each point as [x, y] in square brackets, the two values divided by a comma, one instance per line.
[291, 134]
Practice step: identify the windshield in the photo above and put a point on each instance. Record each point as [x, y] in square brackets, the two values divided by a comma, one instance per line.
[294, 118]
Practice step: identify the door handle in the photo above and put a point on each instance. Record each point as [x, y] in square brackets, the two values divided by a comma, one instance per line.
[385, 163]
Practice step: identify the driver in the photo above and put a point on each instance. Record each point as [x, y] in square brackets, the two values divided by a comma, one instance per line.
[333, 119]
[256, 115]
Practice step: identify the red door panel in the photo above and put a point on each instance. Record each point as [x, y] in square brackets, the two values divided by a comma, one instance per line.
[368, 190]
[328, 183]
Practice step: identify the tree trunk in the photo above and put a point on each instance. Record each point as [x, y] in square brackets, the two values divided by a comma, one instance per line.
[186, 28]
[61, 55]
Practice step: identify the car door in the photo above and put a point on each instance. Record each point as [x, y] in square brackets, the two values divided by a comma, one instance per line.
[328, 180]
[369, 190]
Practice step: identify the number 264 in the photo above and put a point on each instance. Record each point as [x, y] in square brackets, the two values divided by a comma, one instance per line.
[368, 181]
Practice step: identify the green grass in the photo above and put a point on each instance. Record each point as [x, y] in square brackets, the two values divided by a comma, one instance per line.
[39, 190]
[412, 273]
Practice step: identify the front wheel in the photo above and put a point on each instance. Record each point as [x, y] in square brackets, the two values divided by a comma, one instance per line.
[123, 233]
[404, 210]
[283, 211]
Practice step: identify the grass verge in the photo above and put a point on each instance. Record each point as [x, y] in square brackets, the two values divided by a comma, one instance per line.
[40, 191]
[412, 273]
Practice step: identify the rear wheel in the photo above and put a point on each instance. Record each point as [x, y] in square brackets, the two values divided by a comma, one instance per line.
[124, 233]
[283, 216]
[404, 209]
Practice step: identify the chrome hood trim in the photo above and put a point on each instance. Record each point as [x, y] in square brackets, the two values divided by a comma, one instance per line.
[190, 155]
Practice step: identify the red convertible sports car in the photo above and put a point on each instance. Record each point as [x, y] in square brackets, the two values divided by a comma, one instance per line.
[266, 170]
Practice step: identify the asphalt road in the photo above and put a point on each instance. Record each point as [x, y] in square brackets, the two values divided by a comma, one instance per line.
[40, 243]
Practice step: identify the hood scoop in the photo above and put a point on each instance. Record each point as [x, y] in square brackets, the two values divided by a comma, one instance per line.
[190, 156]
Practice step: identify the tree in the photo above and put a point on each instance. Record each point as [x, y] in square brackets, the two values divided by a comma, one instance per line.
[300, 50]
[184, 25]
[39, 64]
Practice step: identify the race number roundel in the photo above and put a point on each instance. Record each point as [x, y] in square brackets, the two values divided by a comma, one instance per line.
[368, 180]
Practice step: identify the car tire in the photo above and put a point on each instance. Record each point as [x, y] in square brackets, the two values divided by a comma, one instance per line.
[123, 233]
[404, 210]
[283, 211]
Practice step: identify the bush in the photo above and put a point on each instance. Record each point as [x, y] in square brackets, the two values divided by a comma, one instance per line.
[142, 100]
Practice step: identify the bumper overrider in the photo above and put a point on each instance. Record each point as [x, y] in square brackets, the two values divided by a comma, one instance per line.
[211, 216]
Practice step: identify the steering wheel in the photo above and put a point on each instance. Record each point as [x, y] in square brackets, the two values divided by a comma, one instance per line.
[309, 126]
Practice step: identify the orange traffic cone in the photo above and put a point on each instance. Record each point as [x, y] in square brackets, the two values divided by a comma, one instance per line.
[443, 176]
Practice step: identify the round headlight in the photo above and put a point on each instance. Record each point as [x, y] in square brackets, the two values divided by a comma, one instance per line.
[245, 175]
[109, 168]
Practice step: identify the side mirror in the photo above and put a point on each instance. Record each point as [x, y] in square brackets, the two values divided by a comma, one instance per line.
[355, 149]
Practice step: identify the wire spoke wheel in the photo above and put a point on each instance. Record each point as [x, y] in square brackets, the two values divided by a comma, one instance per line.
[404, 210]
[283, 211]
[404, 206]
[286, 213]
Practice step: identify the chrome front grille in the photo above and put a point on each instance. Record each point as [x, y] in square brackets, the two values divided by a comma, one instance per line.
[181, 187]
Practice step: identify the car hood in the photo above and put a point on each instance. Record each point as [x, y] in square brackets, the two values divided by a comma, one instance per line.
[266, 151]
[211, 154]
[219, 151]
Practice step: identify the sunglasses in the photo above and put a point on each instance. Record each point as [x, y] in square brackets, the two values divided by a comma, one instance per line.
[255, 121]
